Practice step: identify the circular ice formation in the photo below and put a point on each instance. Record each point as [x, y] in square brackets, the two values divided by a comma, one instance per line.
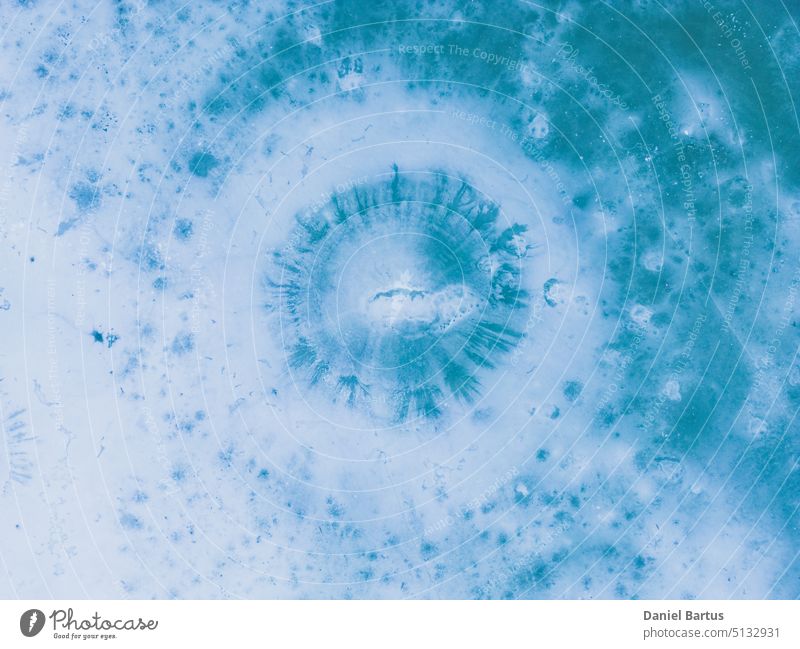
[396, 295]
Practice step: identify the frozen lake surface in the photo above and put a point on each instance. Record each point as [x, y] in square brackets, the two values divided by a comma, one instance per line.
[399, 300]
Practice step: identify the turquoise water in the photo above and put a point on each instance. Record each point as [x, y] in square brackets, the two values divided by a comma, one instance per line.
[392, 299]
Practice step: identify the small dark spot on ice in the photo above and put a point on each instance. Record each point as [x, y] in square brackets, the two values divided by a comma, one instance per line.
[85, 195]
[183, 229]
[129, 521]
[182, 344]
[201, 163]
